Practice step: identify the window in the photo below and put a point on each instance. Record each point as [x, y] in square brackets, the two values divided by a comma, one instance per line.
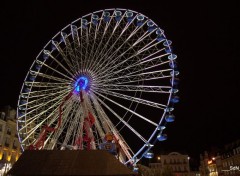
[9, 131]
[3, 156]
[7, 142]
[15, 144]
[2, 115]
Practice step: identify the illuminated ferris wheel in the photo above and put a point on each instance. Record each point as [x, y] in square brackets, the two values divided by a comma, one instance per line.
[109, 77]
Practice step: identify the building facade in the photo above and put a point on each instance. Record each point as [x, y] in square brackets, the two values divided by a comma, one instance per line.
[225, 163]
[176, 162]
[230, 159]
[9, 143]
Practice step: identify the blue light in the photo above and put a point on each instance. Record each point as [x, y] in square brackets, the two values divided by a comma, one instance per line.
[169, 118]
[162, 137]
[81, 83]
[149, 154]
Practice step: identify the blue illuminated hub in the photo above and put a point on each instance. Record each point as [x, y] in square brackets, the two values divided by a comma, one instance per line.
[81, 83]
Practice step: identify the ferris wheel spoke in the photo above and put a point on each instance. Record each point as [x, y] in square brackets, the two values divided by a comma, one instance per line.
[86, 49]
[54, 114]
[105, 48]
[99, 128]
[129, 24]
[70, 52]
[131, 98]
[35, 102]
[136, 30]
[52, 135]
[118, 22]
[148, 65]
[66, 118]
[58, 72]
[43, 75]
[56, 101]
[134, 68]
[106, 58]
[83, 56]
[110, 70]
[46, 84]
[73, 123]
[58, 62]
[144, 36]
[46, 141]
[64, 56]
[81, 48]
[106, 123]
[91, 52]
[100, 44]
[112, 65]
[45, 92]
[138, 79]
[77, 133]
[97, 124]
[145, 76]
[142, 88]
[30, 133]
[108, 126]
[123, 121]
[77, 46]
[124, 43]
[149, 46]
[38, 107]
[116, 50]
[106, 53]
[127, 109]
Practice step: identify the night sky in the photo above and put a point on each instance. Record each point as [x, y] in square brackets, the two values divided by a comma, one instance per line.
[205, 38]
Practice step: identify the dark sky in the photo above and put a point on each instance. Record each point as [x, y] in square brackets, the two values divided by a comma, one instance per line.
[205, 38]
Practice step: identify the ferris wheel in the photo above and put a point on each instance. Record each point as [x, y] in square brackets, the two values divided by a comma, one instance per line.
[110, 72]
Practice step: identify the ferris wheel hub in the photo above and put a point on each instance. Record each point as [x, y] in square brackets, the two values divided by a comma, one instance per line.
[82, 83]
